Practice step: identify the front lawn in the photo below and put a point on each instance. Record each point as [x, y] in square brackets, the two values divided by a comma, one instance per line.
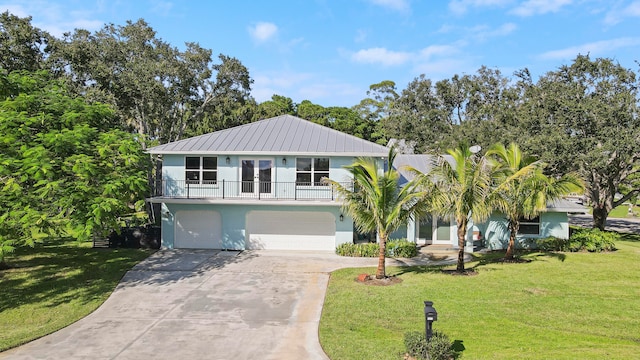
[558, 306]
[52, 286]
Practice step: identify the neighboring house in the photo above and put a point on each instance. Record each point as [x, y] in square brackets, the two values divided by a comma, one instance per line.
[258, 186]
[493, 233]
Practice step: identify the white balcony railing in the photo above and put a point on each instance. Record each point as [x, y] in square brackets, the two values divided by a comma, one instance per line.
[223, 189]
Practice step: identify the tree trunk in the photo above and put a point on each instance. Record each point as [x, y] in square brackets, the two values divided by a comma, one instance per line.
[600, 217]
[381, 271]
[513, 227]
[462, 234]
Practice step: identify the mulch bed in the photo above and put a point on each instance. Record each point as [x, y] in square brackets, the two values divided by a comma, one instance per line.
[515, 260]
[371, 280]
[466, 272]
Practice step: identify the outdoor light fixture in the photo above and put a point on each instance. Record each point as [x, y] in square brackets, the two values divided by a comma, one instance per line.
[341, 217]
[228, 160]
[284, 161]
[430, 315]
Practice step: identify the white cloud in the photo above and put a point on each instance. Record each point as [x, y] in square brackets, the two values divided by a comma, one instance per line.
[437, 50]
[53, 18]
[329, 89]
[536, 7]
[484, 32]
[443, 68]
[16, 10]
[479, 32]
[263, 31]
[162, 7]
[461, 6]
[617, 14]
[381, 56]
[361, 35]
[597, 48]
[397, 5]
[304, 86]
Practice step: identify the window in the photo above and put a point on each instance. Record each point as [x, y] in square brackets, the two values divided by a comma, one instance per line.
[310, 171]
[201, 170]
[529, 226]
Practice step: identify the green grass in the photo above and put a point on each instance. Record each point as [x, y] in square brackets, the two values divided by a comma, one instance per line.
[52, 286]
[558, 306]
[621, 211]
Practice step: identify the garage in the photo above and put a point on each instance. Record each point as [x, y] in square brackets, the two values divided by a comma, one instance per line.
[288, 230]
[198, 229]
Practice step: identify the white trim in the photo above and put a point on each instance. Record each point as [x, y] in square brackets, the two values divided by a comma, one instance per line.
[270, 202]
[270, 153]
[256, 174]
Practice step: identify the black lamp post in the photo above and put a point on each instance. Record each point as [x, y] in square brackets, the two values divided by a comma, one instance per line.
[430, 315]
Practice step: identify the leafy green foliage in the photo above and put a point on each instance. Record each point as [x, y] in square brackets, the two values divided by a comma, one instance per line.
[377, 202]
[395, 248]
[523, 190]
[439, 346]
[402, 248]
[584, 117]
[64, 170]
[23, 46]
[459, 185]
[591, 240]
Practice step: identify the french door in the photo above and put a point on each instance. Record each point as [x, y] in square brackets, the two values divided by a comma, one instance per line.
[256, 175]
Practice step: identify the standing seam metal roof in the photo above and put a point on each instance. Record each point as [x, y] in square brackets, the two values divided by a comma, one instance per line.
[285, 134]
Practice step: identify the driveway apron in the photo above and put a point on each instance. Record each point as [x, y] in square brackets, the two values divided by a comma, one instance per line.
[205, 304]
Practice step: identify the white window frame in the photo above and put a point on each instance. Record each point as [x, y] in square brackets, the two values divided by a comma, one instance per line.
[529, 222]
[313, 171]
[201, 171]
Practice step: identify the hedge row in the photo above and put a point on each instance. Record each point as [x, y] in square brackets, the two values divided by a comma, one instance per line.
[395, 248]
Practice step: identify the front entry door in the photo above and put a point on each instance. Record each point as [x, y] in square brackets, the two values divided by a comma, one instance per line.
[256, 176]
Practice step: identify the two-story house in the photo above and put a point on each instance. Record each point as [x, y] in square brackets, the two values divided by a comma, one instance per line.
[258, 186]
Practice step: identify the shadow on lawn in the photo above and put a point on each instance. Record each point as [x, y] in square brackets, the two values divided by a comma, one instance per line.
[60, 271]
[481, 260]
[629, 237]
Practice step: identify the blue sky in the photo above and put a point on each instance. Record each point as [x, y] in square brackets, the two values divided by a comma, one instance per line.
[330, 51]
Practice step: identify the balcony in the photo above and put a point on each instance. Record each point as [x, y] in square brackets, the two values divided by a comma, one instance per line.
[245, 190]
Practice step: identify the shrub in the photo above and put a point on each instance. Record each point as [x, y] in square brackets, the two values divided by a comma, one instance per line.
[438, 348]
[592, 240]
[552, 243]
[402, 248]
[395, 248]
[358, 250]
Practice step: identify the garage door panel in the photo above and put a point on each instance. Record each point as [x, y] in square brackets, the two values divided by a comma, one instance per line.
[198, 229]
[281, 230]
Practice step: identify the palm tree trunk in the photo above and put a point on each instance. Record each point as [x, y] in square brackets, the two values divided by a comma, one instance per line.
[513, 227]
[462, 234]
[381, 271]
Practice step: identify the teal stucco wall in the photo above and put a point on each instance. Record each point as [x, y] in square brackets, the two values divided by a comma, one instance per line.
[234, 220]
[496, 233]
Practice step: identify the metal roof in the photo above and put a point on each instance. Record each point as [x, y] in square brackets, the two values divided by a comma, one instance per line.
[285, 134]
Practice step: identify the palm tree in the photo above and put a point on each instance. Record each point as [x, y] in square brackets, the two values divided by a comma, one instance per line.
[524, 190]
[377, 202]
[460, 186]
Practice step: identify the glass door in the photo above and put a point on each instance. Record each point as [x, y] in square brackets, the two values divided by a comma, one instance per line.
[256, 176]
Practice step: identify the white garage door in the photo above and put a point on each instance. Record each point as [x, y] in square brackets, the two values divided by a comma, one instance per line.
[198, 229]
[287, 230]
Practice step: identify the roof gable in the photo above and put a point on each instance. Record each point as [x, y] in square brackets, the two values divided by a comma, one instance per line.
[285, 134]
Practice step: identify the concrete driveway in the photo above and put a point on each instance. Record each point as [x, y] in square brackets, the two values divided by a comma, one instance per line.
[206, 304]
